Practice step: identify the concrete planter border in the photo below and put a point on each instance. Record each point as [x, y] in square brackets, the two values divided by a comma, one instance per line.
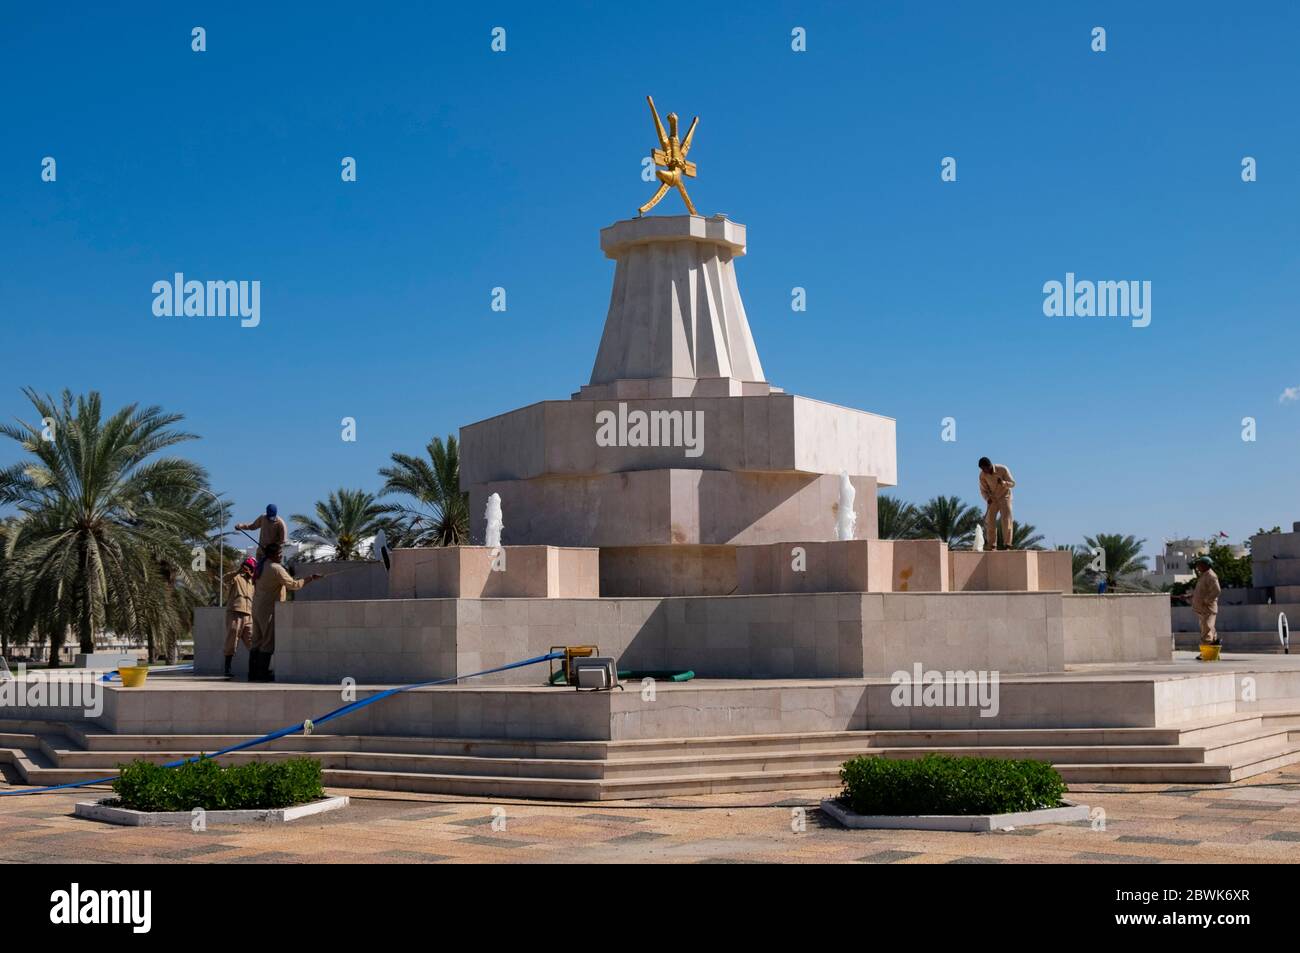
[99, 811]
[953, 822]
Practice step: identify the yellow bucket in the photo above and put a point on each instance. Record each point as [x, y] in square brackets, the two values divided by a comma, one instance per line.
[1209, 652]
[133, 676]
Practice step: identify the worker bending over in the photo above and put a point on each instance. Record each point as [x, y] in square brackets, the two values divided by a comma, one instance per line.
[995, 487]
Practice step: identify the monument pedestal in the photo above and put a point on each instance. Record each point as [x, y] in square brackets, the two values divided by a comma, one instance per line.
[678, 438]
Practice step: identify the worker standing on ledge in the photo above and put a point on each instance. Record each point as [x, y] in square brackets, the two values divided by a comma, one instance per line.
[271, 586]
[271, 529]
[239, 610]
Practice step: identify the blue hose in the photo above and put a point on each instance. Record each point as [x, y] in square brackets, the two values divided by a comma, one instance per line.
[295, 728]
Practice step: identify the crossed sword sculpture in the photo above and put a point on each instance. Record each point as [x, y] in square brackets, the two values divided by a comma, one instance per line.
[671, 153]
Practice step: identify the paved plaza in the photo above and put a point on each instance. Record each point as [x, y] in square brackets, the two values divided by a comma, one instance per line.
[1255, 821]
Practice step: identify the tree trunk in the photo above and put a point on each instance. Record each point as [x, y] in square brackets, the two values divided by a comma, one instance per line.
[86, 628]
[86, 622]
[57, 635]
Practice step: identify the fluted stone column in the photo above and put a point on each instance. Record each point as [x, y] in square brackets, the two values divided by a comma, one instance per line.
[676, 325]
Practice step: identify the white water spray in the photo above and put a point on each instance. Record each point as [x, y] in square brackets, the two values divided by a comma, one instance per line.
[494, 524]
[847, 519]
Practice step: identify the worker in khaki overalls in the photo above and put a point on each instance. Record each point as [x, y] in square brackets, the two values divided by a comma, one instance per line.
[239, 609]
[1205, 599]
[269, 590]
[995, 487]
[271, 530]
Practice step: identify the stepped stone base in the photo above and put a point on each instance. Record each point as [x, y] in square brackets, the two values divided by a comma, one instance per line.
[858, 565]
[1168, 723]
[671, 506]
[544, 572]
[796, 635]
[865, 565]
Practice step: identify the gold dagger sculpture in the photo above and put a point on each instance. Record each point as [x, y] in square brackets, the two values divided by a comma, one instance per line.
[671, 153]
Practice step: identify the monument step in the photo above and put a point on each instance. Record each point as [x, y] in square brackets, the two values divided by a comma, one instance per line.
[1209, 773]
[1213, 750]
[1251, 641]
[1244, 749]
[587, 769]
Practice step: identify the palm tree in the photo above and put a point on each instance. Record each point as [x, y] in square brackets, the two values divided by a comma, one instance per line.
[1123, 558]
[949, 519]
[441, 516]
[1079, 560]
[8, 598]
[1023, 536]
[895, 519]
[96, 516]
[343, 522]
[167, 615]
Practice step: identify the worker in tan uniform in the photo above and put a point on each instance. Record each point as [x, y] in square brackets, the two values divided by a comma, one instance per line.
[270, 529]
[995, 486]
[268, 591]
[239, 609]
[1205, 599]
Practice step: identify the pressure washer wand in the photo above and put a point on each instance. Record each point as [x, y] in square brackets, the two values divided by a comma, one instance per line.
[234, 531]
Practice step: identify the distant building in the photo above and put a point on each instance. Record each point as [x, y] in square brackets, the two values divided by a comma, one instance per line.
[1174, 565]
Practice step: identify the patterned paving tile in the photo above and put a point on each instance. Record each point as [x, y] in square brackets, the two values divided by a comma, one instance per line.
[1116, 858]
[416, 856]
[1151, 839]
[424, 815]
[889, 856]
[1243, 805]
[268, 857]
[492, 841]
[636, 837]
[1251, 822]
[187, 852]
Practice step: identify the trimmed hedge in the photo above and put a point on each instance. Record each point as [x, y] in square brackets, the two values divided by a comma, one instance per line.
[938, 784]
[143, 786]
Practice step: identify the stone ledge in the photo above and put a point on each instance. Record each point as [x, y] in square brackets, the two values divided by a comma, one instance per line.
[974, 823]
[764, 433]
[467, 572]
[99, 811]
[716, 230]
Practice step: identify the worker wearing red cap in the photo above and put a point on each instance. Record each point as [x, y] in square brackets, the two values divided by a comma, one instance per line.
[239, 609]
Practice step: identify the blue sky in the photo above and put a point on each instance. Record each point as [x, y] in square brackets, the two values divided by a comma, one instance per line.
[479, 169]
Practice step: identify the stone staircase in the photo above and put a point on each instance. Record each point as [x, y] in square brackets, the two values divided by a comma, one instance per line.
[1227, 748]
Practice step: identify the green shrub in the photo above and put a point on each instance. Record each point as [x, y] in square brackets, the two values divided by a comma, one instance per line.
[143, 786]
[937, 784]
